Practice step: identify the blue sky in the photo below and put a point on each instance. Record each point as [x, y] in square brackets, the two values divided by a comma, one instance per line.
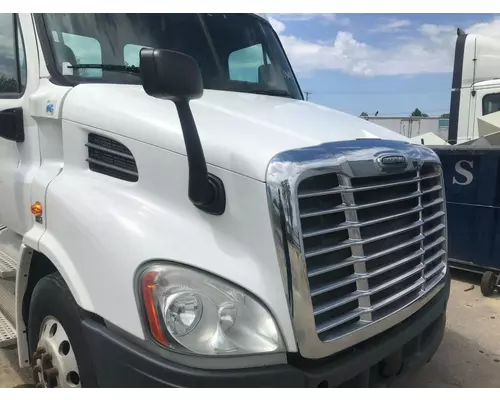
[390, 63]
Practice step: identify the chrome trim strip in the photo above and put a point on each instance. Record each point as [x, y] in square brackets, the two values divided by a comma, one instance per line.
[356, 158]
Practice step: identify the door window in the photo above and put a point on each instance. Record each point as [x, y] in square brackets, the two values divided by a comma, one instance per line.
[491, 103]
[12, 57]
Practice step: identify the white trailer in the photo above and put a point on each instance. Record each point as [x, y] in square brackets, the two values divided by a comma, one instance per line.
[413, 126]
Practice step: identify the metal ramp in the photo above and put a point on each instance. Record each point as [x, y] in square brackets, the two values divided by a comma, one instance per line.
[8, 335]
[8, 268]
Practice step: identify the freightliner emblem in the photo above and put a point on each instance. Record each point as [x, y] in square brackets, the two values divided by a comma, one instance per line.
[392, 161]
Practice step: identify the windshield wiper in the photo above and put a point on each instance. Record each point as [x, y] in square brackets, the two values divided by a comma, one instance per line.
[272, 92]
[107, 67]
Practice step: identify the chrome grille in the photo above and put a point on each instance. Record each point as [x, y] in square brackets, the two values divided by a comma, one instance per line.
[371, 244]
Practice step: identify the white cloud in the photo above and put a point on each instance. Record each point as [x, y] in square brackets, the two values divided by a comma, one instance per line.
[393, 25]
[327, 18]
[278, 26]
[433, 30]
[430, 49]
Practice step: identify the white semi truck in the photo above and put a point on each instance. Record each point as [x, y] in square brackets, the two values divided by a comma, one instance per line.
[173, 213]
[475, 96]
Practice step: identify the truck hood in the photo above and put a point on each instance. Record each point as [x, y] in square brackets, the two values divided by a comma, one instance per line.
[239, 132]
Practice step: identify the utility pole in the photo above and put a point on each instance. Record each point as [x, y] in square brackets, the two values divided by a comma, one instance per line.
[307, 95]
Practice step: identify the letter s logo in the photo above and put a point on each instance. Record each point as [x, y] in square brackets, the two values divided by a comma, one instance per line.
[465, 173]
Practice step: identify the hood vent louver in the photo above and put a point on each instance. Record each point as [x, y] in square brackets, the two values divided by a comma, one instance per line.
[109, 157]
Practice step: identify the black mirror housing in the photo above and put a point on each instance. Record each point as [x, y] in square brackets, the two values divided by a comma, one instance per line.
[170, 75]
[12, 124]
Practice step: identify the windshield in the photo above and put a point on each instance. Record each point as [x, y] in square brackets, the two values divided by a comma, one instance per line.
[235, 52]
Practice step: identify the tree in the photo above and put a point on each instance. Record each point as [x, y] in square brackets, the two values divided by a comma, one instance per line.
[8, 85]
[418, 113]
[445, 115]
[363, 114]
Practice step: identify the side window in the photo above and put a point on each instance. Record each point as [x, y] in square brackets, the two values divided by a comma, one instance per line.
[131, 54]
[12, 56]
[86, 50]
[491, 103]
[244, 63]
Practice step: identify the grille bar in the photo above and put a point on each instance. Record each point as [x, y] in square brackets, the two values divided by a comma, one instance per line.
[434, 271]
[435, 243]
[360, 311]
[330, 268]
[370, 244]
[398, 295]
[361, 224]
[430, 176]
[350, 242]
[434, 216]
[432, 189]
[359, 207]
[396, 264]
[330, 230]
[417, 239]
[326, 326]
[434, 230]
[436, 256]
[353, 278]
[335, 285]
[345, 189]
[432, 203]
[357, 295]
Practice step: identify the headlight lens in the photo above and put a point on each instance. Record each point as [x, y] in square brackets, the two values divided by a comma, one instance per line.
[195, 312]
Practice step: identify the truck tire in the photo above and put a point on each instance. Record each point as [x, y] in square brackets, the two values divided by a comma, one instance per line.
[488, 283]
[59, 353]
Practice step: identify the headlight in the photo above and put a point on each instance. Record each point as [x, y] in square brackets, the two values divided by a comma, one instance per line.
[194, 312]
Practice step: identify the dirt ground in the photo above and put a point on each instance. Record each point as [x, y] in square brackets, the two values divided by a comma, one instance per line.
[469, 355]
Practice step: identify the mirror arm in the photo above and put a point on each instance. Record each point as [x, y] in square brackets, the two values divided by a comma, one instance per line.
[206, 191]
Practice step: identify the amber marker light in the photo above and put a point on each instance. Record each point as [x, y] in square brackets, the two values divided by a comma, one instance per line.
[148, 287]
[36, 209]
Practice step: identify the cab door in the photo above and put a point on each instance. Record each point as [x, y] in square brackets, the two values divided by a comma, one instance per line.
[18, 131]
[486, 101]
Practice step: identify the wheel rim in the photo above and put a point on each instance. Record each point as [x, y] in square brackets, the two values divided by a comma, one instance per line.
[493, 282]
[54, 359]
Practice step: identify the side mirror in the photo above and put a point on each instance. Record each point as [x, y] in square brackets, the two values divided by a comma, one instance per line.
[12, 124]
[170, 75]
[174, 76]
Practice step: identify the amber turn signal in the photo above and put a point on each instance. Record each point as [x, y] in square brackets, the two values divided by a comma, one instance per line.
[36, 209]
[148, 287]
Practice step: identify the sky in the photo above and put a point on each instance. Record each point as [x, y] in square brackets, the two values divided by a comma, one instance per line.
[390, 63]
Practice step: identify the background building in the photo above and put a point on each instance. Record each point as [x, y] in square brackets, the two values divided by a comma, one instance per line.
[413, 126]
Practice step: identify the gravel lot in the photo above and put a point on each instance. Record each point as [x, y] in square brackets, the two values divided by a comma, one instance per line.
[469, 355]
